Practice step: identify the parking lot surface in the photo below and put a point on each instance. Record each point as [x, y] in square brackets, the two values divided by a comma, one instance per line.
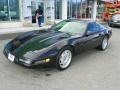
[90, 70]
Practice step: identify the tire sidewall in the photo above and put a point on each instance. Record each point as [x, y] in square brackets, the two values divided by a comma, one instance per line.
[102, 43]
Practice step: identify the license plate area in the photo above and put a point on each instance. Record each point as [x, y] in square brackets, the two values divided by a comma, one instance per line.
[11, 57]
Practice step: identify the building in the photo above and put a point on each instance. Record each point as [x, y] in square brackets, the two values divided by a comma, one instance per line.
[17, 13]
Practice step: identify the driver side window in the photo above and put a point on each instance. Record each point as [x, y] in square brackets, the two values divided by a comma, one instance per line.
[92, 28]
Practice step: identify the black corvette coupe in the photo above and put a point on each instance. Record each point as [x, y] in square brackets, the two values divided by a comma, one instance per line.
[57, 44]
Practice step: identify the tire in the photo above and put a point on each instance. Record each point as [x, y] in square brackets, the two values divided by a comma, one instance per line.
[64, 58]
[104, 44]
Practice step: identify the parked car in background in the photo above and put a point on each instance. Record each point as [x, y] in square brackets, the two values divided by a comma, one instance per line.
[58, 44]
[114, 21]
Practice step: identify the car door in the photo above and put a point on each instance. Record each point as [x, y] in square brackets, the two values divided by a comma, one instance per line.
[92, 38]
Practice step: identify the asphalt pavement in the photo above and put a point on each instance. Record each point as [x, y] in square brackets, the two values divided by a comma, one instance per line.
[90, 70]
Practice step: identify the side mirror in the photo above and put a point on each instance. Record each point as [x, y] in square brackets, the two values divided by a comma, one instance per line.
[88, 33]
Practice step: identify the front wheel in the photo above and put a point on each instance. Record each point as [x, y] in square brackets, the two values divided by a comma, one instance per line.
[64, 58]
[104, 43]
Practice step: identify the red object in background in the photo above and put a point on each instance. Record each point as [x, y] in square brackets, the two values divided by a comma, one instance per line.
[111, 8]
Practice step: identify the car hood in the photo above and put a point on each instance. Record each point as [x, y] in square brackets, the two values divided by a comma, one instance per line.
[36, 40]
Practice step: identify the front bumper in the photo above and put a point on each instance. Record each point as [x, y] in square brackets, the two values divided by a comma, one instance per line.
[28, 63]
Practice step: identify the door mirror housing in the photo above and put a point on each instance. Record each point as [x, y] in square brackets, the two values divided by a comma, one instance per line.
[88, 33]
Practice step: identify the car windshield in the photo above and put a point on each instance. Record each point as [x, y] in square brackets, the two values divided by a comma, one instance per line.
[117, 16]
[73, 27]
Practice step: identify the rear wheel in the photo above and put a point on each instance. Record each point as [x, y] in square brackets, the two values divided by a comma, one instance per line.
[104, 43]
[64, 58]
